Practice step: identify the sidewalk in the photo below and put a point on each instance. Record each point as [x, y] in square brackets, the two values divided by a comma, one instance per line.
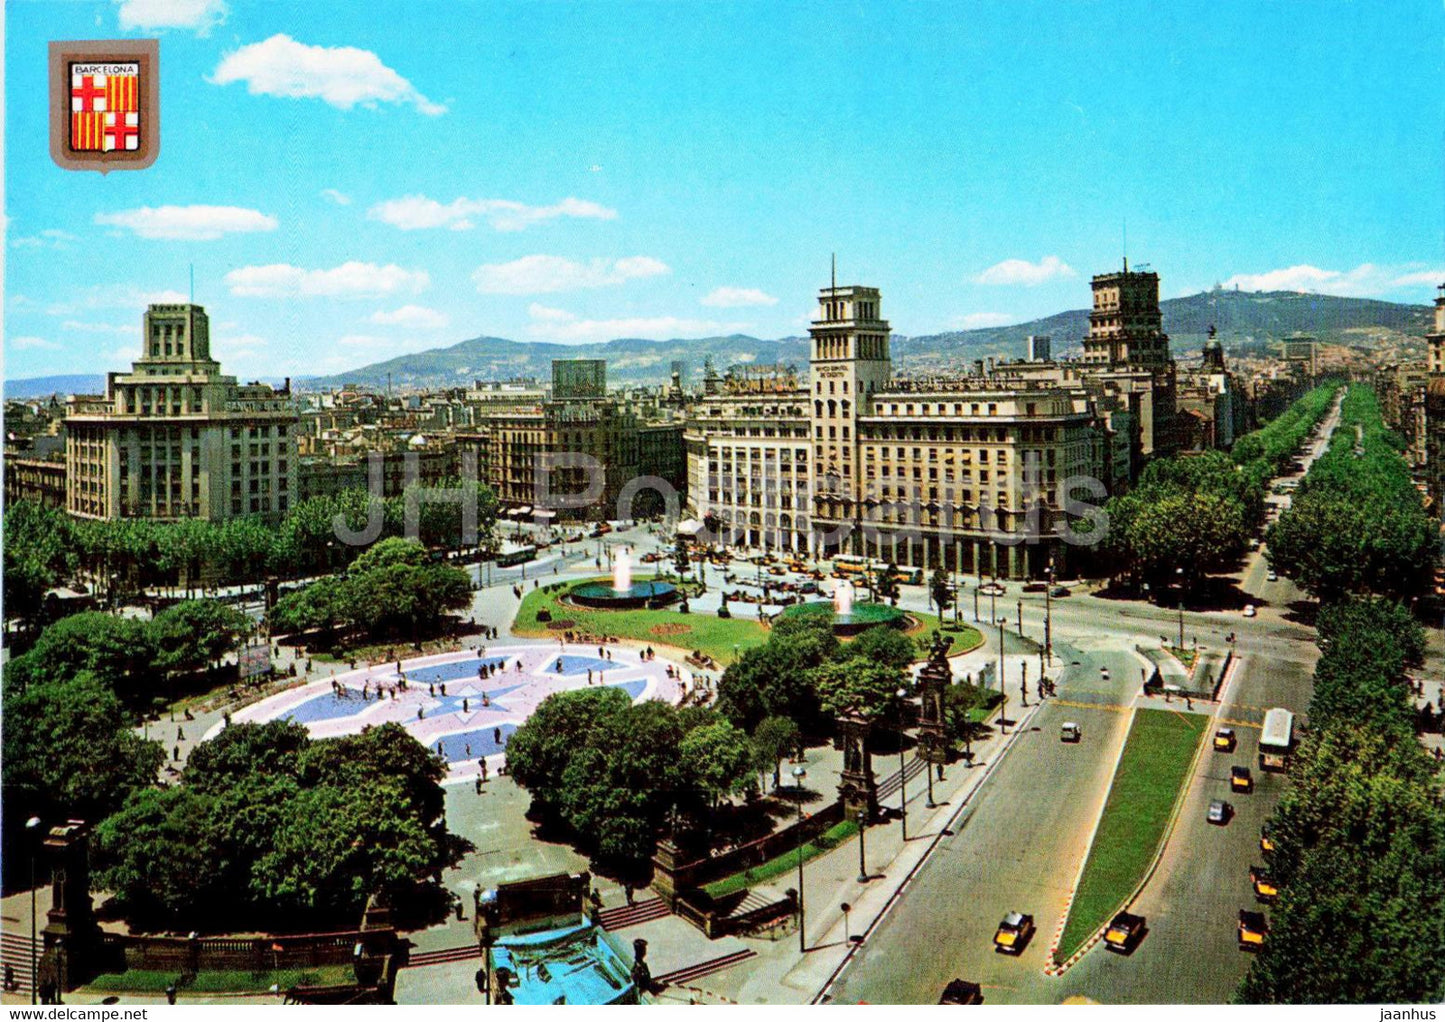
[782, 974]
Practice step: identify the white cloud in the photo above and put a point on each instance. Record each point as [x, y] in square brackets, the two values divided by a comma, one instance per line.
[188, 223]
[543, 274]
[561, 325]
[979, 320]
[1367, 279]
[340, 75]
[417, 212]
[49, 238]
[32, 343]
[332, 195]
[349, 280]
[148, 15]
[101, 328]
[1022, 272]
[417, 317]
[737, 297]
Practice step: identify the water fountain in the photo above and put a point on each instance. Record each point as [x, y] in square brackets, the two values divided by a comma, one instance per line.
[848, 615]
[623, 593]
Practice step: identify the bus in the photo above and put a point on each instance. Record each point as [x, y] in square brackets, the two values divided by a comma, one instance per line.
[511, 558]
[908, 576]
[849, 566]
[1276, 740]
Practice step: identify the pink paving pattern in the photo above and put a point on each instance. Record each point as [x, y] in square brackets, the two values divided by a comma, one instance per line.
[463, 705]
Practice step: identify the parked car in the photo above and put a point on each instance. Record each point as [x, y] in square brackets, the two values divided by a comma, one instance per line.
[961, 991]
[1058, 592]
[1272, 576]
[1124, 932]
[1225, 740]
[1252, 930]
[1266, 839]
[1035, 587]
[1249, 610]
[991, 589]
[1013, 933]
[1070, 732]
[1240, 779]
[1265, 888]
[1220, 811]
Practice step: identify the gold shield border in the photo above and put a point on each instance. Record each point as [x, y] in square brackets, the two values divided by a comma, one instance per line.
[147, 53]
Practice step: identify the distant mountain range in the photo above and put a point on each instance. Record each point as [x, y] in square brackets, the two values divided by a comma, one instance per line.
[1241, 317]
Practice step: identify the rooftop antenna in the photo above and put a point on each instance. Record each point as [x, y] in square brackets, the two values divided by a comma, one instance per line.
[1126, 244]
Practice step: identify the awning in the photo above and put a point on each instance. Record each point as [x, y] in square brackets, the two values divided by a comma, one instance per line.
[543, 513]
[689, 527]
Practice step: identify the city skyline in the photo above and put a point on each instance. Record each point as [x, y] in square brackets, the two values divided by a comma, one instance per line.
[632, 176]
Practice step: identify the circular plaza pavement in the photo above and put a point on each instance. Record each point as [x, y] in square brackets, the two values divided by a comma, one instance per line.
[464, 705]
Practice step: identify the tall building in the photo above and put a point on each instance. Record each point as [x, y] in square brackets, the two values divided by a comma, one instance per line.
[1435, 410]
[967, 473]
[174, 438]
[1126, 335]
[574, 378]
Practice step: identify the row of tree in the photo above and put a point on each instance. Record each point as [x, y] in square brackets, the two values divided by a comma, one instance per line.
[270, 829]
[46, 548]
[1357, 523]
[1360, 835]
[391, 590]
[1200, 512]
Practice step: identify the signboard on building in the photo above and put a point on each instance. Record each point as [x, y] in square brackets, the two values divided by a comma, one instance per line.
[255, 661]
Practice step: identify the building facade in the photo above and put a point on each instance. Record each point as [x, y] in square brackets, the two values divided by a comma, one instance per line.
[174, 438]
[1435, 410]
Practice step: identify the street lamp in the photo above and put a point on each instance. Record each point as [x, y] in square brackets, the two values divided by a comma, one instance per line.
[1049, 612]
[902, 770]
[32, 830]
[1179, 572]
[863, 877]
[798, 774]
[1003, 693]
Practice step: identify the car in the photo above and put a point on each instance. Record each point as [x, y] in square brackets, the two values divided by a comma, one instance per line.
[1013, 933]
[1252, 930]
[1070, 732]
[1124, 932]
[992, 589]
[1103, 673]
[1249, 610]
[1272, 576]
[1265, 888]
[1220, 811]
[1240, 779]
[1058, 592]
[961, 991]
[1266, 839]
[1035, 587]
[1225, 740]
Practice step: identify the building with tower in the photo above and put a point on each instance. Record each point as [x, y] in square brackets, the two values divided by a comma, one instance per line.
[175, 438]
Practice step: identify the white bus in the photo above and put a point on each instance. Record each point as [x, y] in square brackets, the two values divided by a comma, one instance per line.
[1276, 740]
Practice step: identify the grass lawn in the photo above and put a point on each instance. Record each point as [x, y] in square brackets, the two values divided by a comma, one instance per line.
[777, 866]
[1152, 773]
[1184, 656]
[221, 981]
[707, 632]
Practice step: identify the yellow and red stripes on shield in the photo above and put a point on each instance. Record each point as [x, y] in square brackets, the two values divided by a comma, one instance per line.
[87, 131]
[122, 93]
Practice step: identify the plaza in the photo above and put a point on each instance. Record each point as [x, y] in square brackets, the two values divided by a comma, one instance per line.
[463, 706]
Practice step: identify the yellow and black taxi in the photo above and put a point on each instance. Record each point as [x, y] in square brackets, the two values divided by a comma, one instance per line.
[1240, 779]
[1252, 930]
[961, 991]
[1265, 889]
[1225, 740]
[1013, 933]
[1266, 839]
[1124, 932]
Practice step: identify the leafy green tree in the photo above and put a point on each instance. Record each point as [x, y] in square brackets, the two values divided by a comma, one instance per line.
[885, 582]
[716, 760]
[539, 751]
[940, 589]
[38, 558]
[680, 562]
[773, 740]
[117, 652]
[271, 749]
[885, 645]
[858, 686]
[196, 633]
[159, 855]
[68, 752]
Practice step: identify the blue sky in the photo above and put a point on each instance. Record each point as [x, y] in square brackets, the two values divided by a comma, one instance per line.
[354, 181]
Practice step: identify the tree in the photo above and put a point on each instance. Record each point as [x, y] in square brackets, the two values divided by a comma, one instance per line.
[117, 652]
[716, 760]
[858, 686]
[69, 754]
[773, 740]
[37, 558]
[271, 749]
[539, 751]
[940, 589]
[884, 645]
[885, 582]
[680, 561]
[196, 633]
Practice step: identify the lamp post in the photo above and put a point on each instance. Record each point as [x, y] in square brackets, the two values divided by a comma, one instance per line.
[975, 604]
[862, 848]
[1179, 573]
[798, 774]
[847, 927]
[1003, 704]
[32, 831]
[1049, 612]
[902, 770]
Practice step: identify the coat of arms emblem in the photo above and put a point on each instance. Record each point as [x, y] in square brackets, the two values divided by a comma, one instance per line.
[105, 104]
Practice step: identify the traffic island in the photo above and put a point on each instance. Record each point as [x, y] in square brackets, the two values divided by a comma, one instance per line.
[1149, 781]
